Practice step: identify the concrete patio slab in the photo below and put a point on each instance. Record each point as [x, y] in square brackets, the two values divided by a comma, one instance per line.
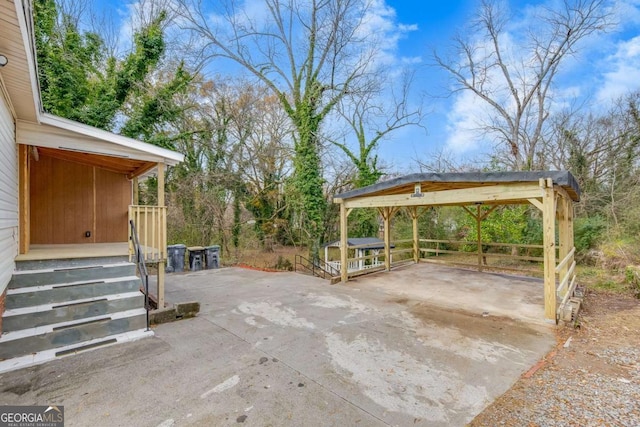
[515, 297]
[282, 349]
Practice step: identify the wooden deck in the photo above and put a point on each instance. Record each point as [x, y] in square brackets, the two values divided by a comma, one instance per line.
[85, 250]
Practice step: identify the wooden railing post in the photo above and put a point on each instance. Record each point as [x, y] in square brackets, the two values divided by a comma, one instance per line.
[163, 231]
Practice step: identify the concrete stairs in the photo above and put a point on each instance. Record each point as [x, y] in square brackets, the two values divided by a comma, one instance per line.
[55, 308]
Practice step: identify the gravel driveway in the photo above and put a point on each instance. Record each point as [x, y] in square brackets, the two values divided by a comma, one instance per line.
[592, 378]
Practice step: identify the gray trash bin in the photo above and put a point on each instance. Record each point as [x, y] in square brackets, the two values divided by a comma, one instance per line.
[175, 258]
[196, 258]
[212, 256]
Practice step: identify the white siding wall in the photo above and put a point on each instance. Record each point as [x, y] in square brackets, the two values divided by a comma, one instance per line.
[8, 194]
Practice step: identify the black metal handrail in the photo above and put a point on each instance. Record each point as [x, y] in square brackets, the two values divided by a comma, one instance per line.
[317, 268]
[142, 267]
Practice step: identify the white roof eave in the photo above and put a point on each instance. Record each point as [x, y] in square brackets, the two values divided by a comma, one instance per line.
[146, 151]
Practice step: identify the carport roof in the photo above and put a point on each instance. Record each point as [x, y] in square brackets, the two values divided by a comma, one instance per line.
[360, 242]
[433, 182]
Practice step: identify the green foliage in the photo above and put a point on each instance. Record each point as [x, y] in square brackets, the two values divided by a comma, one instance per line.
[588, 232]
[363, 223]
[506, 224]
[78, 79]
[155, 107]
[307, 180]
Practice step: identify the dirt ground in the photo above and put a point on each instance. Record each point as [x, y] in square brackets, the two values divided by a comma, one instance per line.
[279, 258]
[592, 378]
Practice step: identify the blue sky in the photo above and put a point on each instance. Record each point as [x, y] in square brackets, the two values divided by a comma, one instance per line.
[606, 67]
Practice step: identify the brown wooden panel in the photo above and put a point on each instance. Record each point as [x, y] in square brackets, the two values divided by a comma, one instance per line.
[61, 201]
[41, 220]
[113, 197]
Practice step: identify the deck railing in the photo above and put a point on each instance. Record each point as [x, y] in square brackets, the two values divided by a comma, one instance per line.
[141, 266]
[151, 224]
[317, 268]
[477, 256]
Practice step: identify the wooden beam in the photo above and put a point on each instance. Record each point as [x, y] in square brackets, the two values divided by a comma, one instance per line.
[24, 194]
[343, 243]
[561, 191]
[485, 194]
[549, 243]
[470, 212]
[487, 213]
[145, 167]
[536, 202]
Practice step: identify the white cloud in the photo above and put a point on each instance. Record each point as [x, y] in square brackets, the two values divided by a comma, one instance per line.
[380, 27]
[411, 60]
[624, 71]
[627, 12]
[593, 72]
[466, 115]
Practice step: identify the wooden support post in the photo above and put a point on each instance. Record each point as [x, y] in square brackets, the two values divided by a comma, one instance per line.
[549, 243]
[161, 201]
[563, 234]
[386, 215]
[161, 257]
[416, 244]
[136, 191]
[24, 194]
[479, 235]
[343, 243]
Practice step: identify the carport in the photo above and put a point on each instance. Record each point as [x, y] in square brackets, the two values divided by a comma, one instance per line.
[552, 192]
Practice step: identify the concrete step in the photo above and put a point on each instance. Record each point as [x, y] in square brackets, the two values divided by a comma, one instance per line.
[67, 350]
[40, 315]
[54, 276]
[53, 264]
[69, 292]
[55, 336]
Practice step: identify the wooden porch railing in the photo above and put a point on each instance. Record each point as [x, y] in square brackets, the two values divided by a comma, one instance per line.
[151, 224]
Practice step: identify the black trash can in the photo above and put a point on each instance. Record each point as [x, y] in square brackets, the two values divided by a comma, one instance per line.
[175, 258]
[196, 258]
[212, 255]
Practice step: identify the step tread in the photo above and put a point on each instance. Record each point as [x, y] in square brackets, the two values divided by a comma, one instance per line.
[73, 268]
[24, 290]
[53, 306]
[51, 354]
[45, 329]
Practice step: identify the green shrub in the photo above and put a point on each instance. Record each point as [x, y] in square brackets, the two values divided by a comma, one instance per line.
[587, 232]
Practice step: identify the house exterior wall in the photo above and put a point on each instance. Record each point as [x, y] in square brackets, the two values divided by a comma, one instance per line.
[8, 193]
[69, 199]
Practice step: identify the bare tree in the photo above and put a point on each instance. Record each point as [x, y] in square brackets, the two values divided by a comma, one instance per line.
[371, 117]
[603, 153]
[513, 73]
[309, 53]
